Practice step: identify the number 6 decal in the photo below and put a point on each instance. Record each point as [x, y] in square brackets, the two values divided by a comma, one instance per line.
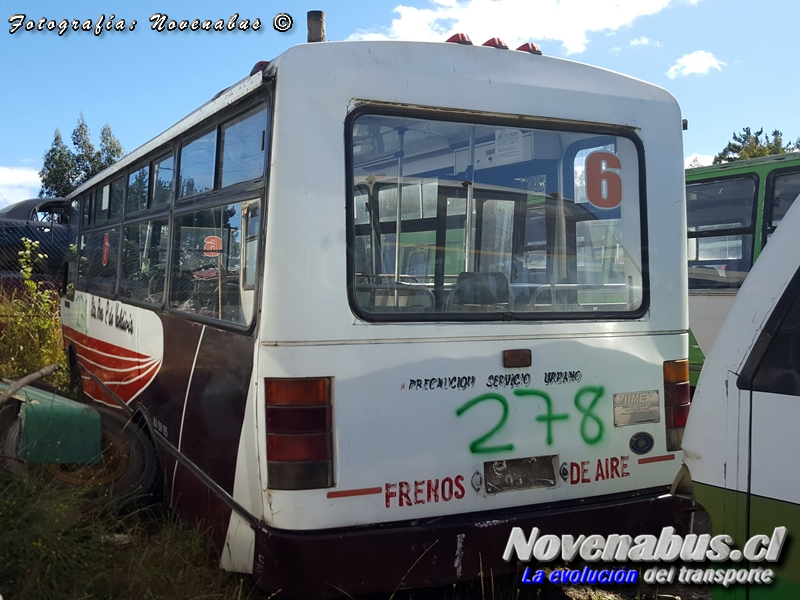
[597, 174]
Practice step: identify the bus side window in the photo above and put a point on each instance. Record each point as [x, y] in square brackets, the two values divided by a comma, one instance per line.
[784, 190]
[84, 248]
[144, 257]
[103, 262]
[779, 371]
[206, 268]
[243, 147]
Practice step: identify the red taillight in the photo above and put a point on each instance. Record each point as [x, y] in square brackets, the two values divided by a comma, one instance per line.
[530, 47]
[299, 447]
[299, 438]
[296, 392]
[495, 43]
[676, 416]
[459, 38]
[677, 401]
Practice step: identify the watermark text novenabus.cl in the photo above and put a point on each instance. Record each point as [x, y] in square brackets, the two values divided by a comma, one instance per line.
[667, 547]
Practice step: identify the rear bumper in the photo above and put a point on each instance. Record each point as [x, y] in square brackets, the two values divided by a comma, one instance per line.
[434, 552]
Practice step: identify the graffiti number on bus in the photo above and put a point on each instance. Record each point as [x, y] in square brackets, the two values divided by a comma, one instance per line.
[591, 428]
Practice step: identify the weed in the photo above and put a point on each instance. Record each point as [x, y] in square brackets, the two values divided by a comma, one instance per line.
[30, 326]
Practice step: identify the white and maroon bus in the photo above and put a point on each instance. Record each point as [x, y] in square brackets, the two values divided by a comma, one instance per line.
[379, 302]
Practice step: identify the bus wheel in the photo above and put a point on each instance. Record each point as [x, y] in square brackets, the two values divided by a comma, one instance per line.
[127, 472]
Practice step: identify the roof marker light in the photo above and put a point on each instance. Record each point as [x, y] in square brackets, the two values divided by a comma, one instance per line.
[530, 47]
[459, 38]
[259, 66]
[495, 42]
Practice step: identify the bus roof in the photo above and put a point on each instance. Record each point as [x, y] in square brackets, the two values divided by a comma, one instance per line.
[744, 164]
[310, 62]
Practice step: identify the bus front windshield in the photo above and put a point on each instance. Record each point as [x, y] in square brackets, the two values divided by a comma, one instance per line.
[452, 220]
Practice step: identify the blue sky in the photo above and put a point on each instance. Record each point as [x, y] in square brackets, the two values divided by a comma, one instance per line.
[729, 63]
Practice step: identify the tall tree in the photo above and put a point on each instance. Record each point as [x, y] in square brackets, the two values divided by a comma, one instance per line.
[65, 169]
[58, 170]
[87, 159]
[749, 144]
[110, 148]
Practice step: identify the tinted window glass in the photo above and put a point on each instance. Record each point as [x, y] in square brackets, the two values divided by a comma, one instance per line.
[163, 181]
[144, 261]
[137, 190]
[779, 372]
[720, 236]
[197, 165]
[206, 277]
[784, 190]
[461, 220]
[243, 141]
[102, 201]
[84, 247]
[103, 268]
[87, 209]
[117, 195]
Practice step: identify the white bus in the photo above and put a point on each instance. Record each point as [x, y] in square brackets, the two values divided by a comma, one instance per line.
[741, 442]
[379, 302]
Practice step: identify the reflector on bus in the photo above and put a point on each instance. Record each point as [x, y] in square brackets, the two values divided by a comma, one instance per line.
[530, 47]
[495, 42]
[459, 38]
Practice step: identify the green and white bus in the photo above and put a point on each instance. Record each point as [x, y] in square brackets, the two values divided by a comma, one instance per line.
[741, 443]
[732, 209]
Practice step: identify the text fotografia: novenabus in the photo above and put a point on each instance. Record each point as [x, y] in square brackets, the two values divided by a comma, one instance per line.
[18, 22]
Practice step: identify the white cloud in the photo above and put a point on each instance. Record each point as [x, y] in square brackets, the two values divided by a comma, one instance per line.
[699, 61]
[515, 21]
[697, 160]
[18, 183]
[615, 50]
[643, 41]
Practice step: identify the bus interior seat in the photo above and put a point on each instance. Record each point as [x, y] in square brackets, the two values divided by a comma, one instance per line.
[405, 297]
[181, 289]
[155, 289]
[226, 303]
[703, 276]
[737, 270]
[479, 289]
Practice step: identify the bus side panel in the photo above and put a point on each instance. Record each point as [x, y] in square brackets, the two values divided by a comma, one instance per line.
[192, 380]
[210, 417]
[215, 401]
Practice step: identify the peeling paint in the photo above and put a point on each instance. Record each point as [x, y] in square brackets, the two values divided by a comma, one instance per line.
[492, 523]
[459, 553]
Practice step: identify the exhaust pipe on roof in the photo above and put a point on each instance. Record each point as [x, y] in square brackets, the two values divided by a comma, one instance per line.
[316, 26]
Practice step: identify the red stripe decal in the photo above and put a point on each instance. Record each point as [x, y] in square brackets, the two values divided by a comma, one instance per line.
[359, 492]
[99, 345]
[652, 459]
[123, 371]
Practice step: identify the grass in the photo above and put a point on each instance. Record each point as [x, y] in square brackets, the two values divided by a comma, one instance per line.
[57, 544]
